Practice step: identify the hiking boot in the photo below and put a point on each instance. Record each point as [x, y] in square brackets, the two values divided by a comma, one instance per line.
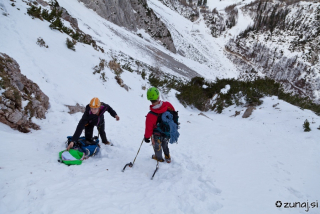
[155, 158]
[167, 158]
[109, 143]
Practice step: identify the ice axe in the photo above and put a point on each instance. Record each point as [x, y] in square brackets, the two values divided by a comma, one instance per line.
[131, 164]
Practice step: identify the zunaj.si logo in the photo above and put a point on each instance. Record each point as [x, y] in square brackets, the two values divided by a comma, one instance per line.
[305, 205]
[278, 204]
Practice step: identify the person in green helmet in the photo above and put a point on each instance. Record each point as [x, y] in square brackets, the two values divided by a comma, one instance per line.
[159, 142]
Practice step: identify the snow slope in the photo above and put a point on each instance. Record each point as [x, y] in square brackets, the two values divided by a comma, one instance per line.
[187, 35]
[221, 165]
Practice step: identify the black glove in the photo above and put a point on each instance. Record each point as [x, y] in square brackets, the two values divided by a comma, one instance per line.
[147, 140]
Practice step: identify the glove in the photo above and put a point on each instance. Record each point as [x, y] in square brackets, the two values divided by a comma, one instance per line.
[147, 140]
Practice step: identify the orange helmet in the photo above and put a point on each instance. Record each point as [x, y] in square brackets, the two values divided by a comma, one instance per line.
[95, 103]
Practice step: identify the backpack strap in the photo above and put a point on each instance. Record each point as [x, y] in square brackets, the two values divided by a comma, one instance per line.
[152, 112]
[156, 114]
[156, 130]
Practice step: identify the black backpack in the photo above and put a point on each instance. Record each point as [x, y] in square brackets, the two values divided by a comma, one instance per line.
[162, 127]
[89, 147]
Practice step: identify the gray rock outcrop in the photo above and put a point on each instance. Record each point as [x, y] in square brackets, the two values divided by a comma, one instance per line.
[66, 16]
[248, 112]
[20, 98]
[133, 15]
[42, 3]
[75, 109]
[185, 8]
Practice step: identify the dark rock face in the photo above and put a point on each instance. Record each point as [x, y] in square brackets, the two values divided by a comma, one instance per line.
[20, 98]
[133, 15]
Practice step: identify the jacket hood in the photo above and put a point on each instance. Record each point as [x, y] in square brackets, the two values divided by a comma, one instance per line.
[160, 108]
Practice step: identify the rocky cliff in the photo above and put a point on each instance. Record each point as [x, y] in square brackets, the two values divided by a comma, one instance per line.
[20, 98]
[133, 15]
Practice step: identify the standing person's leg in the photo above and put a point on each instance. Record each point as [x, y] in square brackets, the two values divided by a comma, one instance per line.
[90, 150]
[103, 134]
[157, 147]
[88, 132]
[165, 148]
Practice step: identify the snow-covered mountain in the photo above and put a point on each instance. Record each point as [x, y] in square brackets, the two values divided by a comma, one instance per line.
[223, 163]
[282, 44]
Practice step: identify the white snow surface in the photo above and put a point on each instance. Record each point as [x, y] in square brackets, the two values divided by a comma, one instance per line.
[222, 164]
[225, 89]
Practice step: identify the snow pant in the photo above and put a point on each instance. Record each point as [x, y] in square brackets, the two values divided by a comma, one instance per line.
[160, 143]
[88, 132]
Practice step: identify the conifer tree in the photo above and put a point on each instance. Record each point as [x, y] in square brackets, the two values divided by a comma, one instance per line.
[306, 126]
[70, 44]
[57, 24]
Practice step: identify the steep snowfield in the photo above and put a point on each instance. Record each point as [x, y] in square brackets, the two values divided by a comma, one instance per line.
[221, 165]
[194, 40]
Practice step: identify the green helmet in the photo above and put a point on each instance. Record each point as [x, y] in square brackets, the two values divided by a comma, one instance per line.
[152, 93]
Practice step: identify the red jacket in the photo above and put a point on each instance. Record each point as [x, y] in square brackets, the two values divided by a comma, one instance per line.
[151, 120]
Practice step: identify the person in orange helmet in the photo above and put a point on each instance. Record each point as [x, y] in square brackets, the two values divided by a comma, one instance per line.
[93, 116]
